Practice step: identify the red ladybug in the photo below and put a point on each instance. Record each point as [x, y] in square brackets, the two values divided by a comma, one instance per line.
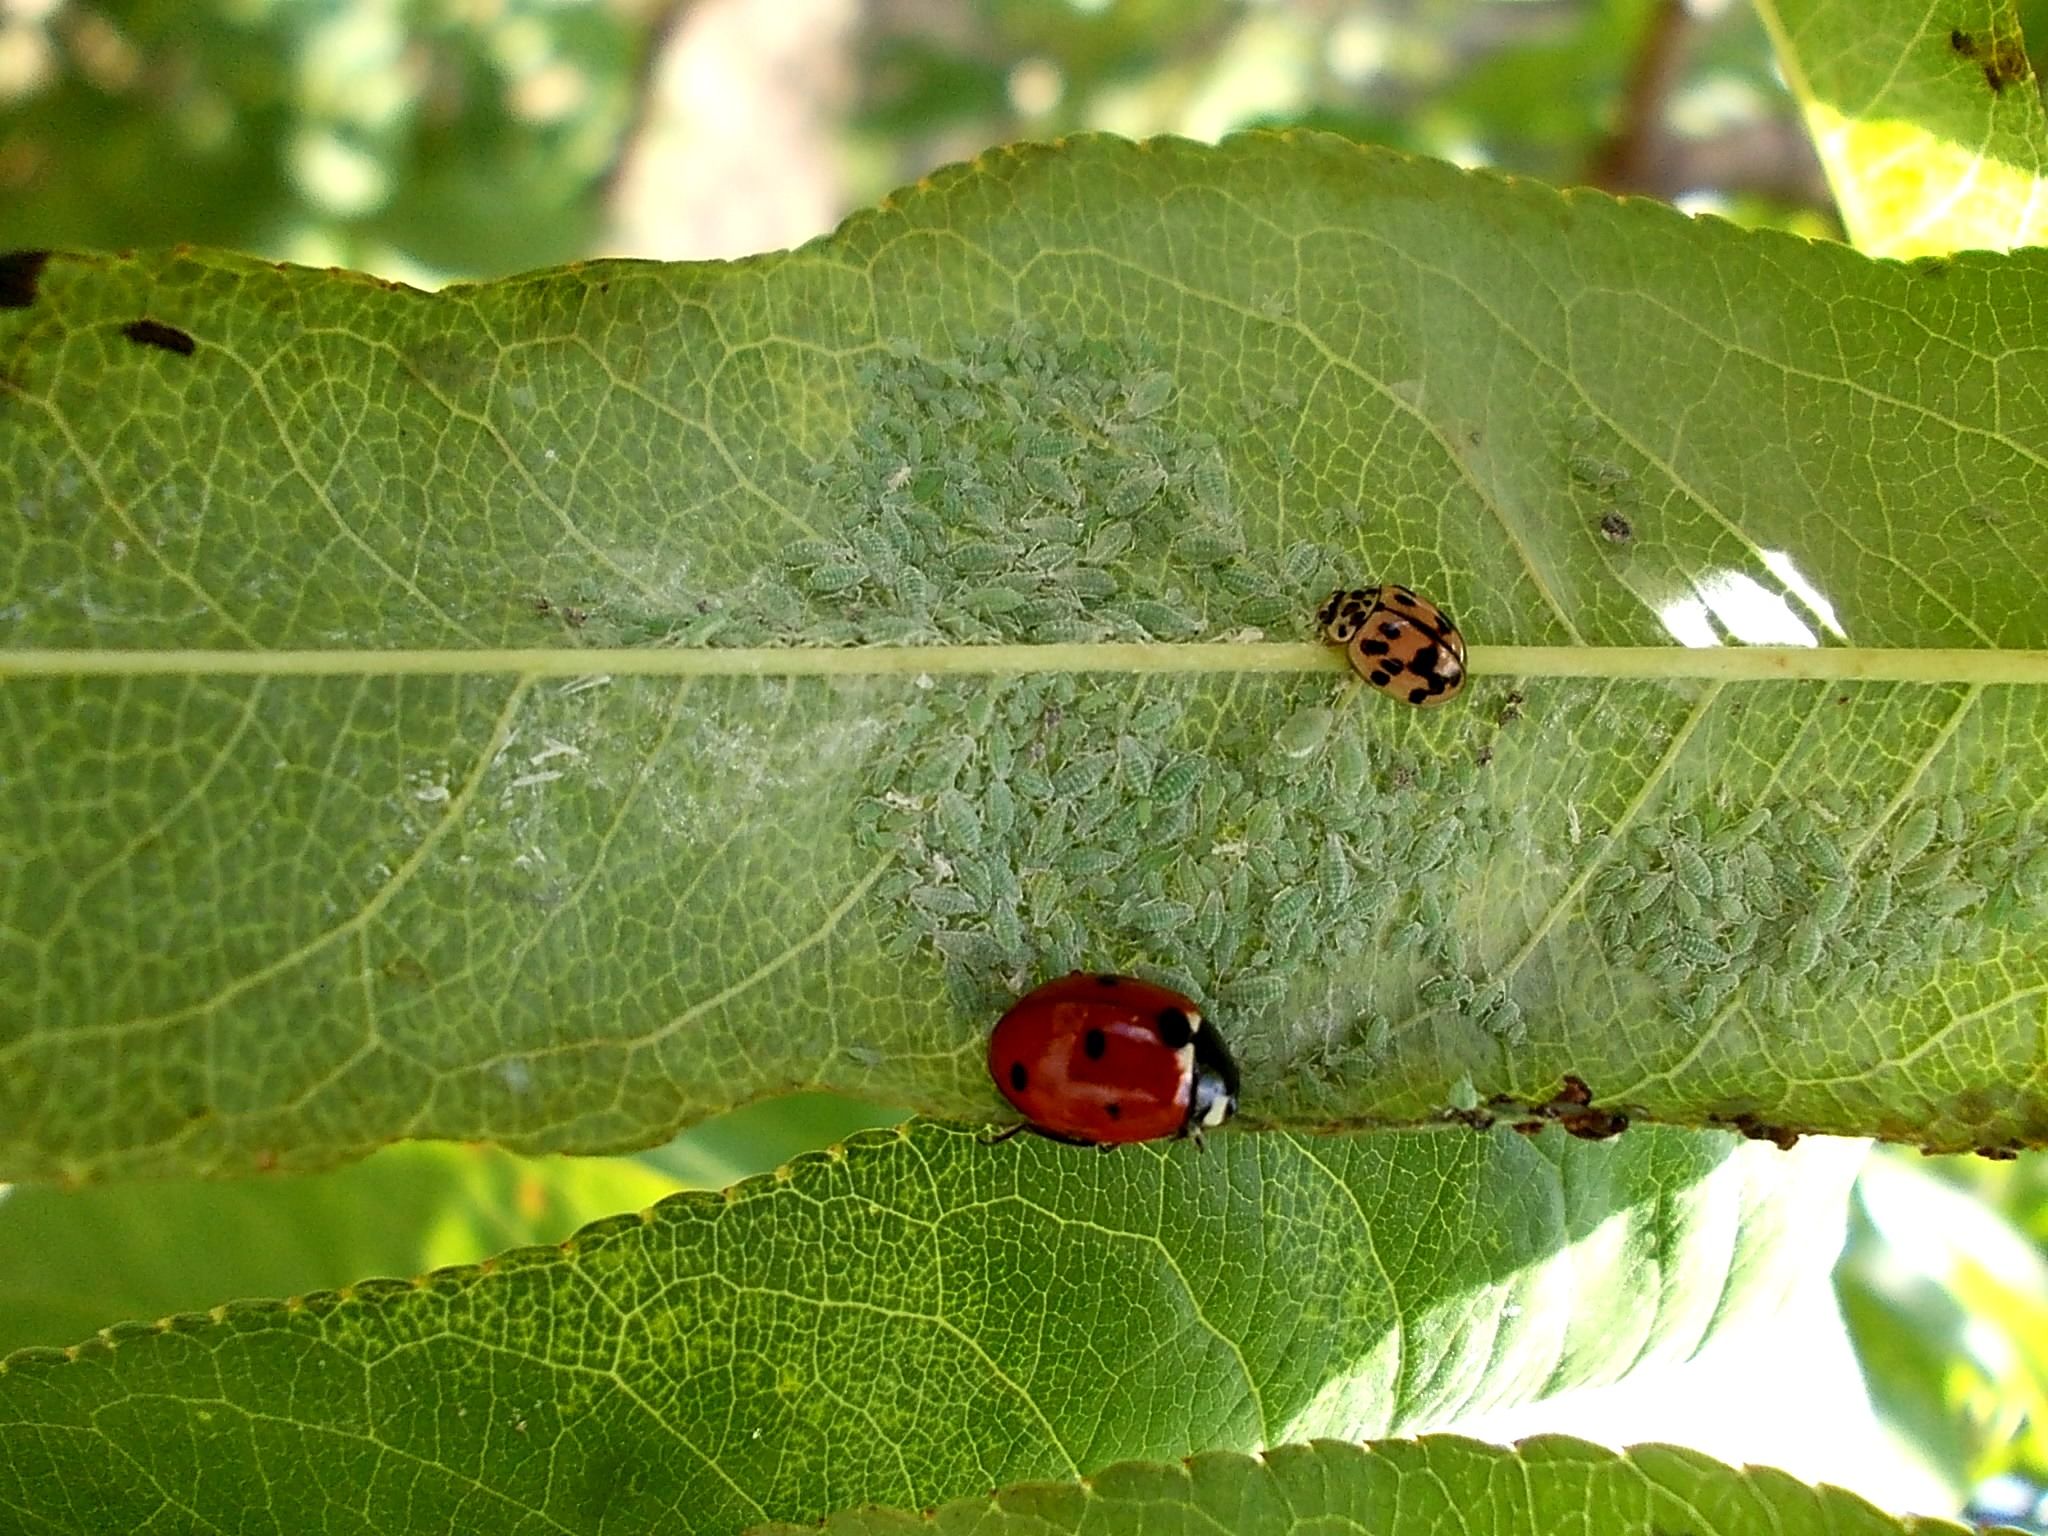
[1108, 1059]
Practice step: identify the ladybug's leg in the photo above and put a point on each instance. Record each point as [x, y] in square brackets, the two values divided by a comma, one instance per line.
[1006, 1133]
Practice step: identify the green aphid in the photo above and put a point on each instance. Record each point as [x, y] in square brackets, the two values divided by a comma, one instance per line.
[992, 601]
[1693, 871]
[1162, 621]
[959, 823]
[1149, 393]
[1955, 898]
[942, 767]
[1952, 819]
[1649, 891]
[972, 950]
[1827, 857]
[1007, 929]
[1254, 991]
[805, 553]
[1158, 916]
[1290, 906]
[1044, 841]
[1697, 949]
[1736, 835]
[1927, 873]
[1031, 783]
[1741, 939]
[1333, 872]
[828, 579]
[978, 559]
[1156, 717]
[1066, 632]
[1508, 1026]
[1685, 905]
[1091, 585]
[1124, 825]
[1208, 479]
[1243, 581]
[1177, 780]
[1591, 469]
[1083, 775]
[1136, 762]
[1041, 611]
[1304, 731]
[1049, 478]
[1237, 893]
[875, 552]
[1878, 896]
[1803, 947]
[1134, 491]
[1266, 612]
[1302, 564]
[1264, 824]
[1914, 832]
[1054, 530]
[1208, 547]
[977, 876]
[1084, 863]
[1111, 542]
[1207, 927]
[1438, 991]
[945, 900]
[1348, 766]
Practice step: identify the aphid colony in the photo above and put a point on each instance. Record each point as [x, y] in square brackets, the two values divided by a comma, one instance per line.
[1105, 1059]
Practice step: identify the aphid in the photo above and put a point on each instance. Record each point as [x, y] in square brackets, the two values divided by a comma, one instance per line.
[1403, 644]
[1106, 1059]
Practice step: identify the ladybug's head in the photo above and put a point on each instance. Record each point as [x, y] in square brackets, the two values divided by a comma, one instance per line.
[1212, 1097]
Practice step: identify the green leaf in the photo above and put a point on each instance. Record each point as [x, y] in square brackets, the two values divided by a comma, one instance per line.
[555, 710]
[1928, 121]
[1414, 1488]
[918, 1316]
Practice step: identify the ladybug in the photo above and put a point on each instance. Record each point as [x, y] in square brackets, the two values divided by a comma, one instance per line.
[1106, 1059]
[1401, 643]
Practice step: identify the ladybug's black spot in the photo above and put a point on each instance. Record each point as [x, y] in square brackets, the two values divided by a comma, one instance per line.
[1378, 678]
[1426, 661]
[1114, 1110]
[1109, 981]
[1095, 1042]
[1174, 1028]
[1018, 1076]
[154, 333]
[1391, 629]
[20, 271]
[1374, 647]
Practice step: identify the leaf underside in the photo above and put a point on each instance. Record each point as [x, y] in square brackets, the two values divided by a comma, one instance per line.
[919, 1316]
[1086, 393]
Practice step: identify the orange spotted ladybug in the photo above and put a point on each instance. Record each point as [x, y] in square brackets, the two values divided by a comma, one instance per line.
[1401, 643]
[1107, 1059]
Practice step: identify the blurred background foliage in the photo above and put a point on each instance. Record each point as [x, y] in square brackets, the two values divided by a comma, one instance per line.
[435, 140]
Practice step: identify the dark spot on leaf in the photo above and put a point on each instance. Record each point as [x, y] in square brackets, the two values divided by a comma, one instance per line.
[154, 333]
[1784, 1138]
[1174, 1028]
[1963, 43]
[1095, 1042]
[20, 271]
[1018, 1076]
[1998, 1154]
[1617, 527]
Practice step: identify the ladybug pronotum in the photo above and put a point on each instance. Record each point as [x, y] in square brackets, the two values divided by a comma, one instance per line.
[1401, 643]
